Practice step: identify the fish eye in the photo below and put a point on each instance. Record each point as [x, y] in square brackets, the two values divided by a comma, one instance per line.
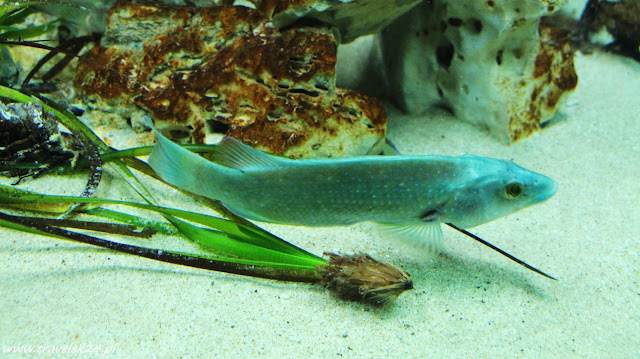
[513, 190]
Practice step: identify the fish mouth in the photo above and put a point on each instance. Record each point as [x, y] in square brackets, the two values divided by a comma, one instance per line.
[546, 189]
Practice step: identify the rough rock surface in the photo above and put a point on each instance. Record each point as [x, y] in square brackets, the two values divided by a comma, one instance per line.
[492, 63]
[224, 69]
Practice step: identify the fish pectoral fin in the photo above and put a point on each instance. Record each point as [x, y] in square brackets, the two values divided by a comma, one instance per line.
[235, 154]
[427, 236]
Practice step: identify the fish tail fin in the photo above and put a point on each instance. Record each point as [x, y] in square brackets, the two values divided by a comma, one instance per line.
[183, 168]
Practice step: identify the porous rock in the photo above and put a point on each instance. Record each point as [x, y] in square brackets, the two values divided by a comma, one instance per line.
[493, 63]
[224, 69]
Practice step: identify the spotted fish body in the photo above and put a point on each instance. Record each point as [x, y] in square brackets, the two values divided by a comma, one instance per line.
[410, 195]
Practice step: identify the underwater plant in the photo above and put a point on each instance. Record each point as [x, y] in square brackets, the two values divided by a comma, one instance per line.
[232, 246]
[33, 146]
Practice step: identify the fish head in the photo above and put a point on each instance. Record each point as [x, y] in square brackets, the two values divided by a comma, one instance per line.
[496, 188]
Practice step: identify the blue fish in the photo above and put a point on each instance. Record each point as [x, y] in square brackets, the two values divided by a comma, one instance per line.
[408, 195]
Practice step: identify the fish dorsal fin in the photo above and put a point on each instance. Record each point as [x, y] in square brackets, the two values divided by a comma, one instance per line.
[235, 154]
[425, 236]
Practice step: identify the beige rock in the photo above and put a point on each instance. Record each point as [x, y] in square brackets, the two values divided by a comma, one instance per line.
[493, 63]
[225, 69]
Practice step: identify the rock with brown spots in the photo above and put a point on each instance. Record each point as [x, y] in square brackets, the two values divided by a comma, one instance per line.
[226, 70]
[493, 63]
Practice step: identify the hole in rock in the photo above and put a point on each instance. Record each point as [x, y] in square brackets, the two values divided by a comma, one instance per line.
[178, 134]
[322, 87]
[217, 126]
[476, 26]
[455, 21]
[76, 111]
[444, 55]
[305, 92]
[517, 53]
